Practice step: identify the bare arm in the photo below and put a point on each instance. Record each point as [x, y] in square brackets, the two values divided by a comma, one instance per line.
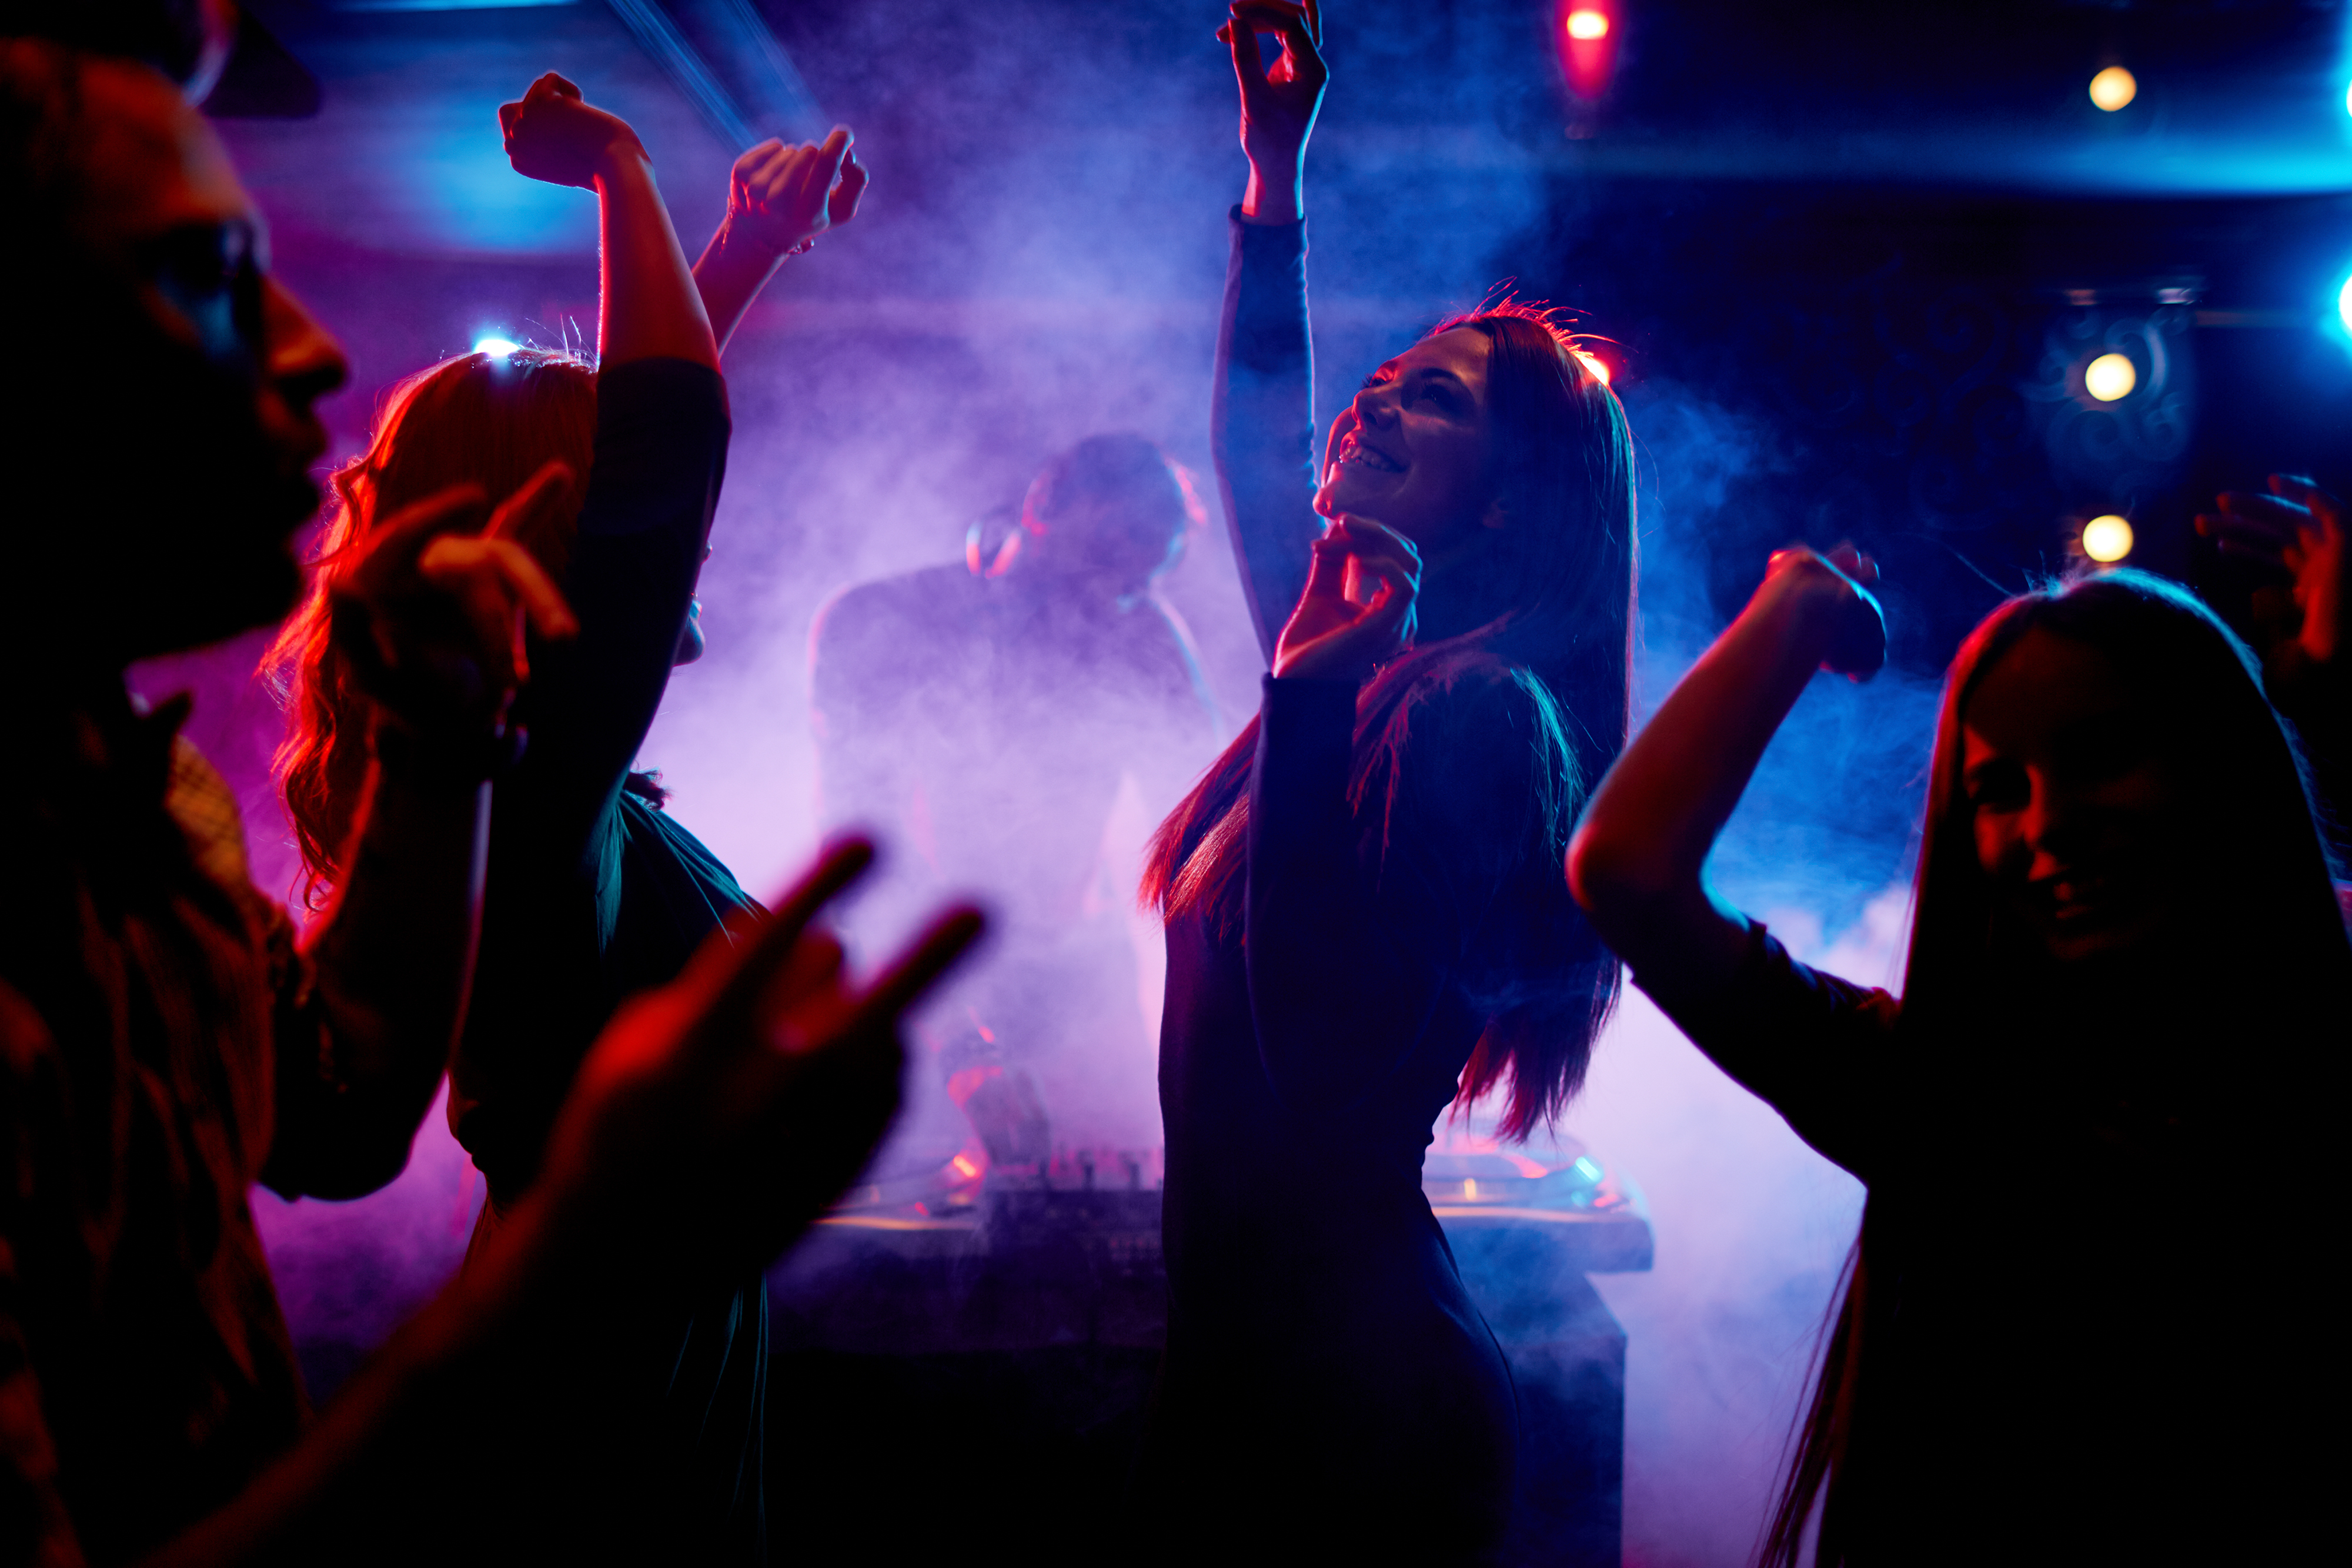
[1638, 859]
[651, 307]
[779, 199]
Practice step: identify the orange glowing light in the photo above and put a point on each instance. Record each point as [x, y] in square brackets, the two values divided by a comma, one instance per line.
[1470, 1188]
[1586, 25]
[1596, 364]
[964, 1167]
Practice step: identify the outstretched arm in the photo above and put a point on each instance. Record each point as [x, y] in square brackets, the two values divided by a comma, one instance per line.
[1638, 858]
[651, 308]
[1261, 421]
[779, 199]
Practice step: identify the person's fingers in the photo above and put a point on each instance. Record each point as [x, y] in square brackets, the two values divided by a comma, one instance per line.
[1303, 39]
[1376, 543]
[1326, 570]
[396, 545]
[823, 170]
[510, 115]
[557, 86]
[528, 585]
[901, 983]
[774, 175]
[842, 205]
[769, 942]
[2268, 552]
[529, 509]
[1249, 65]
[756, 158]
[2244, 534]
[462, 570]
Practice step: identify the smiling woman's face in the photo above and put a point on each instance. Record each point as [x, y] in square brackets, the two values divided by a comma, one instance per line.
[2078, 803]
[1412, 452]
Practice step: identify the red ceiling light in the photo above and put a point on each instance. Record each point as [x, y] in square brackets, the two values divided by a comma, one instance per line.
[1588, 45]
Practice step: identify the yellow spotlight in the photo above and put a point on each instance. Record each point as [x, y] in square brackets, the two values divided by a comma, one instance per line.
[2106, 540]
[2110, 378]
[1595, 363]
[2114, 88]
[1586, 25]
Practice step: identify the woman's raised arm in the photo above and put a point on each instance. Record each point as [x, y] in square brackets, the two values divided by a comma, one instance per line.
[1637, 861]
[651, 308]
[779, 199]
[1262, 417]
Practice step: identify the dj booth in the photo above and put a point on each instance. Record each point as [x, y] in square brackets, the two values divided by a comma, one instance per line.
[962, 1356]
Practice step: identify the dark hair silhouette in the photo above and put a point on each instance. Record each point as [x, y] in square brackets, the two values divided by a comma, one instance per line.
[1554, 607]
[2274, 957]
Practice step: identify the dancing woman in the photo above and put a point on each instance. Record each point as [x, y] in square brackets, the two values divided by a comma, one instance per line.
[594, 893]
[2124, 1006]
[1365, 918]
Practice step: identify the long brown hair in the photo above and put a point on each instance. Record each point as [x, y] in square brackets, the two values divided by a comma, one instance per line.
[1554, 618]
[2281, 953]
[486, 419]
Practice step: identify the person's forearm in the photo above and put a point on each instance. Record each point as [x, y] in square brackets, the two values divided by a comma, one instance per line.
[652, 308]
[1275, 198]
[394, 959]
[1637, 861]
[729, 278]
[507, 1359]
[1261, 423]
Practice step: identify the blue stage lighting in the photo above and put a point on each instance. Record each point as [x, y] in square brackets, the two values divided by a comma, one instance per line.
[495, 346]
[2343, 305]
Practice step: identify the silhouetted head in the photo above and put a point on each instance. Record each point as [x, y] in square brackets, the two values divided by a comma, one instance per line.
[1112, 512]
[491, 420]
[2110, 778]
[159, 461]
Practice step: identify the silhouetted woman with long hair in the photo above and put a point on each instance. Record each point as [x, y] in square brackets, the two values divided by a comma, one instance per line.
[2081, 1314]
[594, 893]
[1365, 920]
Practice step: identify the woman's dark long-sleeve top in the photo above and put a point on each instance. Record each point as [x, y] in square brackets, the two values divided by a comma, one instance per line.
[2057, 1359]
[594, 894]
[1327, 1377]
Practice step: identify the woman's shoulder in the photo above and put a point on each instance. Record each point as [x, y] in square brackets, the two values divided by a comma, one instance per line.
[1464, 702]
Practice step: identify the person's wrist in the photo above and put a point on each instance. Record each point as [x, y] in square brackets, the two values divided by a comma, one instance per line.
[623, 157]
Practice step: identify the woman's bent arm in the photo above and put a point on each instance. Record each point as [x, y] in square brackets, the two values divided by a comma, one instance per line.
[1637, 861]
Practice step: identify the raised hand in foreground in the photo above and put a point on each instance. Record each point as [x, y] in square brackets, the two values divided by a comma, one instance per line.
[716, 1116]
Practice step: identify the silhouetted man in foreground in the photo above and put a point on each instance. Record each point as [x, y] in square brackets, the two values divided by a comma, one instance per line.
[165, 1041]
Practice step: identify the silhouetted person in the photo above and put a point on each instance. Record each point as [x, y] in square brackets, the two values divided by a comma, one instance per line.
[1365, 918]
[165, 1042]
[987, 712]
[2104, 1105]
[595, 891]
